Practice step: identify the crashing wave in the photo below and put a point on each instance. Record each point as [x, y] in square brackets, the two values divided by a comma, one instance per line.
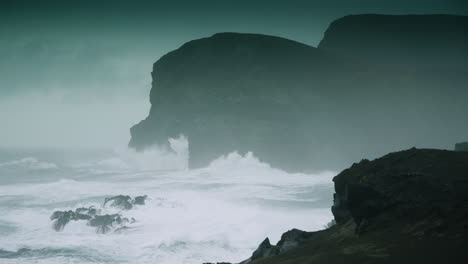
[173, 157]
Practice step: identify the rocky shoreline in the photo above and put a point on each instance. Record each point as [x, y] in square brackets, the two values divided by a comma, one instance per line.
[405, 207]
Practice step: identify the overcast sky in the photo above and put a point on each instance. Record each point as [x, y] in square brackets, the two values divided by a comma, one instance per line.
[77, 73]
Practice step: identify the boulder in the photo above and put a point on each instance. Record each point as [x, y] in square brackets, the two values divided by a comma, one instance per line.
[120, 201]
[125, 202]
[103, 223]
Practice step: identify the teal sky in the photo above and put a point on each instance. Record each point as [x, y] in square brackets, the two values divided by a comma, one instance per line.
[77, 73]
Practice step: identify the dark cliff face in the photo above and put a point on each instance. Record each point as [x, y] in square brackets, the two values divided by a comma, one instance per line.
[414, 184]
[299, 107]
[423, 39]
[238, 92]
[405, 207]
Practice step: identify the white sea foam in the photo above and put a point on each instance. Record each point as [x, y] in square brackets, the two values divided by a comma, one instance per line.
[218, 213]
[173, 157]
[30, 163]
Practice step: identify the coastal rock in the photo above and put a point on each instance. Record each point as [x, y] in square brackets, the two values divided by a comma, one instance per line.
[289, 240]
[325, 107]
[405, 207]
[125, 202]
[415, 183]
[62, 218]
[265, 249]
[103, 223]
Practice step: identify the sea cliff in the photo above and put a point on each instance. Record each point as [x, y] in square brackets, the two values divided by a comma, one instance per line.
[375, 84]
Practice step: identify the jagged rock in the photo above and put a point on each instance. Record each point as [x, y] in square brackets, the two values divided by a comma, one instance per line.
[292, 239]
[120, 201]
[463, 146]
[405, 207]
[289, 240]
[103, 223]
[140, 200]
[125, 202]
[265, 249]
[61, 218]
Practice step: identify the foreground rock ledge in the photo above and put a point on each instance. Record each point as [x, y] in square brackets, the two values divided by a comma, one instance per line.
[405, 207]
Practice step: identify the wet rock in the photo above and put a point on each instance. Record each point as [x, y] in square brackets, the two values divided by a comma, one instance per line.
[125, 202]
[103, 223]
[61, 218]
[120, 201]
[140, 200]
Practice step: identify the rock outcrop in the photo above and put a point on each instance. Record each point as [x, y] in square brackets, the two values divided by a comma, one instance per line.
[375, 83]
[125, 202]
[414, 184]
[289, 240]
[103, 223]
[405, 207]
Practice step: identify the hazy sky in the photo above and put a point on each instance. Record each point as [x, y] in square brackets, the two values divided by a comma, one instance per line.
[77, 73]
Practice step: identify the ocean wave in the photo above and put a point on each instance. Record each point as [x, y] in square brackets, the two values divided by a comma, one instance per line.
[220, 211]
[83, 254]
[30, 163]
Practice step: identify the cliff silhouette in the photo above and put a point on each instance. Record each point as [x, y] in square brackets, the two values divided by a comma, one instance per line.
[375, 84]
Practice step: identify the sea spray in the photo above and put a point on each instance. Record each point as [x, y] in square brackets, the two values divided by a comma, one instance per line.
[221, 211]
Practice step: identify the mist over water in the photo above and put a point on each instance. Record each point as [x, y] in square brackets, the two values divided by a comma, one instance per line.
[220, 212]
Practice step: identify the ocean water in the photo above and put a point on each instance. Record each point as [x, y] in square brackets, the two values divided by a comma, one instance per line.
[217, 213]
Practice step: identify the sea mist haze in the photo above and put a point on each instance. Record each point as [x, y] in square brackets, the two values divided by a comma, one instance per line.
[192, 215]
[232, 118]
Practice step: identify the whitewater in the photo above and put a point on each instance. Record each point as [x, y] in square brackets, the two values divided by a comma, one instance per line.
[217, 213]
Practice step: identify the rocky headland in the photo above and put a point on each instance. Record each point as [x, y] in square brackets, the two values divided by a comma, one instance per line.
[405, 207]
[374, 84]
